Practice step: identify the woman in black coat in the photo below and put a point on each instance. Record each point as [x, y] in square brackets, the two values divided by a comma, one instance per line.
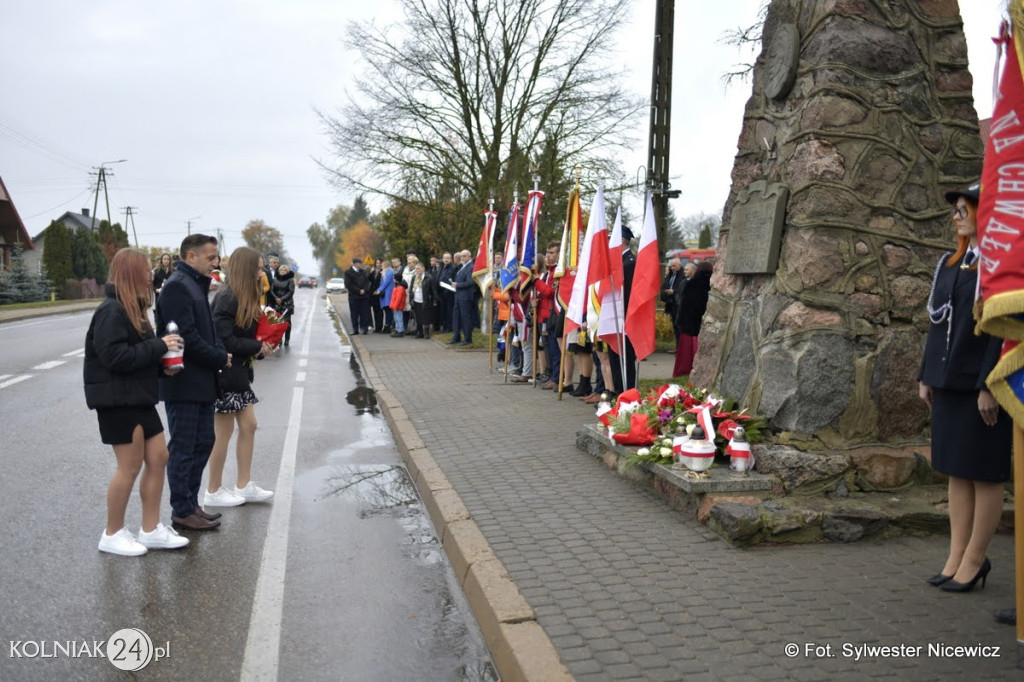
[424, 300]
[121, 370]
[971, 435]
[690, 313]
[236, 316]
[282, 297]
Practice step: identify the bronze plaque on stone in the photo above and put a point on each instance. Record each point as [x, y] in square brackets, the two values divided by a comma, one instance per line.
[756, 229]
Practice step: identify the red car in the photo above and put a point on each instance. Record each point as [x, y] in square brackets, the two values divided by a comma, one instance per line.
[309, 283]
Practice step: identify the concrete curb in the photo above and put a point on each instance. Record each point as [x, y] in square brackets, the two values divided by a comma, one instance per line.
[521, 650]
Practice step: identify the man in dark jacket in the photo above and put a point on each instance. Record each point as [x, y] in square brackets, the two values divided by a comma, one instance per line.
[357, 284]
[189, 395]
[464, 291]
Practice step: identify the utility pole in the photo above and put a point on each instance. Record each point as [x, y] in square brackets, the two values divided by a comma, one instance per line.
[128, 215]
[661, 117]
[101, 179]
[189, 222]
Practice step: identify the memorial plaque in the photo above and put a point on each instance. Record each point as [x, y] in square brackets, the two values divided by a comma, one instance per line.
[756, 229]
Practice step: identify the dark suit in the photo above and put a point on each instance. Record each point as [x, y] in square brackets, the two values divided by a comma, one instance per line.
[188, 396]
[464, 291]
[356, 280]
[628, 267]
[955, 365]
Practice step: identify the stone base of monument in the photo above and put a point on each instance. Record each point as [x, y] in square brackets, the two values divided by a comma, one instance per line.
[797, 497]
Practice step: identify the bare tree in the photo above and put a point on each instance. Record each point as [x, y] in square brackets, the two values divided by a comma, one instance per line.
[746, 39]
[476, 89]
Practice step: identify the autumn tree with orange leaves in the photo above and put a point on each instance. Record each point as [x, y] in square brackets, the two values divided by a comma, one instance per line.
[358, 241]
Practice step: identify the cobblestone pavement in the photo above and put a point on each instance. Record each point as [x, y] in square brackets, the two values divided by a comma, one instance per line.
[628, 589]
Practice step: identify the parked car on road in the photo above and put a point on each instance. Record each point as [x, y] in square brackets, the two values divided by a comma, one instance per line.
[308, 283]
[335, 285]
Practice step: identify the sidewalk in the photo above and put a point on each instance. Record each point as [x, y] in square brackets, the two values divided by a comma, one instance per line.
[624, 587]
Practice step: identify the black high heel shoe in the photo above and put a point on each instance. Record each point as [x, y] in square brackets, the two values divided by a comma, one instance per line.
[938, 579]
[954, 586]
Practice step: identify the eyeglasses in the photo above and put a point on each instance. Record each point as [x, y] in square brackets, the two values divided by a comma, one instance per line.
[958, 212]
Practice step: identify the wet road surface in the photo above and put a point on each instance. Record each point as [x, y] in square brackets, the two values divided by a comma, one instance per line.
[340, 578]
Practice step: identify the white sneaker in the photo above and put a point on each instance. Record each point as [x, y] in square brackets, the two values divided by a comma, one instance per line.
[122, 542]
[222, 498]
[162, 537]
[253, 493]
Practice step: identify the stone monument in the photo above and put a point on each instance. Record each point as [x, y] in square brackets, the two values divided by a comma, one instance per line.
[861, 117]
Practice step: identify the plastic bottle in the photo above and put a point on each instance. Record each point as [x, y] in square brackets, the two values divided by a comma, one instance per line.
[173, 359]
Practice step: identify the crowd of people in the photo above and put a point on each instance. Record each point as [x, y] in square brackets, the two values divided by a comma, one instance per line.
[528, 318]
[195, 355]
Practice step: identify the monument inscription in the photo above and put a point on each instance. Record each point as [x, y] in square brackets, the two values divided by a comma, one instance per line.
[756, 229]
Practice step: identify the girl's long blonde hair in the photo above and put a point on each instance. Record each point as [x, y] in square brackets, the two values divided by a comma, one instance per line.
[133, 281]
[244, 271]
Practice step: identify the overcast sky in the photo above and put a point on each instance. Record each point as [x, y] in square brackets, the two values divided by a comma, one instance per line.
[211, 103]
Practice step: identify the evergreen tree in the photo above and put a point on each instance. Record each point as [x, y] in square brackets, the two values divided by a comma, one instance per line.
[19, 285]
[88, 260]
[57, 261]
[111, 238]
[704, 240]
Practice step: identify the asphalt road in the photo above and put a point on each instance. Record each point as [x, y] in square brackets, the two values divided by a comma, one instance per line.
[340, 578]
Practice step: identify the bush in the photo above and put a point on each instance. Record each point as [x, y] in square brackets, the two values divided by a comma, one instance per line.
[18, 285]
[664, 332]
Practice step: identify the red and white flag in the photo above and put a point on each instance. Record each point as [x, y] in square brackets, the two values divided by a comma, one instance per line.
[643, 295]
[577, 309]
[609, 327]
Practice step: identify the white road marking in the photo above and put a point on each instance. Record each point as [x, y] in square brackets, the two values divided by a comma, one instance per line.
[300, 376]
[4, 376]
[15, 380]
[263, 645]
[50, 365]
[80, 351]
[303, 362]
[306, 325]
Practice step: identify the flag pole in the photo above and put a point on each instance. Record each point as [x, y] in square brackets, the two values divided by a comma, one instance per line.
[490, 303]
[1018, 533]
[533, 293]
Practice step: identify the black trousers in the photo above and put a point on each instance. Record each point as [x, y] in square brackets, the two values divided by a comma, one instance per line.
[617, 368]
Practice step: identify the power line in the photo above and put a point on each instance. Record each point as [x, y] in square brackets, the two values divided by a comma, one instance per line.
[38, 144]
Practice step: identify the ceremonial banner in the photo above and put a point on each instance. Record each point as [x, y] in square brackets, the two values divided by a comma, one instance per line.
[1001, 228]
[598, 223]
[510, 267]
[531, 219]
[482, 265]
[569, 251]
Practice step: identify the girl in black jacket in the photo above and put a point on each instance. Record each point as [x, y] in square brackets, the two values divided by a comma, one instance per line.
[122, 364]
[236, 315]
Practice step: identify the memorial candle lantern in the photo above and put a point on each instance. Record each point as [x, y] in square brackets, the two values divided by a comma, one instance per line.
[678, 442]
[741, 460]
[698, 453]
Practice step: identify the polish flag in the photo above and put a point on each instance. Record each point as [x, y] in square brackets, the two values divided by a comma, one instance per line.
[609, 326]
[644, 292]
[577, 308]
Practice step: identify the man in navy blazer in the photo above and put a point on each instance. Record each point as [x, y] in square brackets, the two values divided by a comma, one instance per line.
[189, 395]
[464, 288]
